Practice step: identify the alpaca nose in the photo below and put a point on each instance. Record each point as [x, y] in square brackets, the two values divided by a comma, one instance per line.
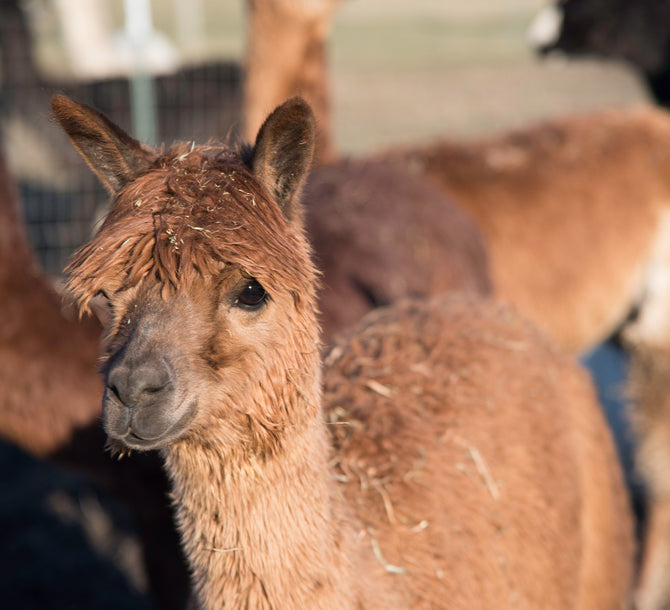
[137, 386]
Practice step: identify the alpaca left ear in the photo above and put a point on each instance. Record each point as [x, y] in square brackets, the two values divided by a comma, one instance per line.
[114, 156]
[283, 152]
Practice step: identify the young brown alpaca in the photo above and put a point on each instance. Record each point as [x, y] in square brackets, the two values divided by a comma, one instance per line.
[400, 489]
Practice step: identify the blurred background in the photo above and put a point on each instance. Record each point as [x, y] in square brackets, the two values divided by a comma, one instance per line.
[401, 72]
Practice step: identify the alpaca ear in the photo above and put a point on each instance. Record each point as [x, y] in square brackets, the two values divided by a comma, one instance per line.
[282, 155]
[114, 156]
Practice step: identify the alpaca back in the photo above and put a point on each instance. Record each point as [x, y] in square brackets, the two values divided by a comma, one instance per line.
[477, 462]
[549, 227]
[425, 244]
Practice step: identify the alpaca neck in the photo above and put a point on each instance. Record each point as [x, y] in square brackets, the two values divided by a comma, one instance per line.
[264, 532]
[287, 56]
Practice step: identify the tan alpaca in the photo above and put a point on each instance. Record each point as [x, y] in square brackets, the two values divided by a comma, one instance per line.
[286, 56]
[451, 457]
[575, 214]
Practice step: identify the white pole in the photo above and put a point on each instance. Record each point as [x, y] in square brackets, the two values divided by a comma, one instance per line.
[139, 29]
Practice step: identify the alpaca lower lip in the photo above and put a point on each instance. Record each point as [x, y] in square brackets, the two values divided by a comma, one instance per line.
[139, 439]
[137, 442]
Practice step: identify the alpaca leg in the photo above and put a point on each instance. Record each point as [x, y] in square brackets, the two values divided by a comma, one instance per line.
[653, 590]
[650, 392]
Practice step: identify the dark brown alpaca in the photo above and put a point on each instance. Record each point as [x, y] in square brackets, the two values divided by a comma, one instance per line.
[50, 397]
[455, 457]
[379, 231]
[424, 246]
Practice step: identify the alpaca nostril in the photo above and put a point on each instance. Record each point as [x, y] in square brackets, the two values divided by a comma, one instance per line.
[151, 391]
[113, 390]
[117, 386]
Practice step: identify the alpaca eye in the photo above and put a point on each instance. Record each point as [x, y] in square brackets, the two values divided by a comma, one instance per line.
[252, 296]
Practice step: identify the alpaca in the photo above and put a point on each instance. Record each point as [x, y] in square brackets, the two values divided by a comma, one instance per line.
[50, 398]
[393, 489]
[36, 340]
[286, 55]
[573, 275]
[425, 248]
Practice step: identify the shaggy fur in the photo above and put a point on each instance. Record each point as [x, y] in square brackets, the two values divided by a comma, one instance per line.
[394, 489]
[544, 177]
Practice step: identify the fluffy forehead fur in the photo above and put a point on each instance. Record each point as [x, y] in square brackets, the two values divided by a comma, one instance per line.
[196, 212]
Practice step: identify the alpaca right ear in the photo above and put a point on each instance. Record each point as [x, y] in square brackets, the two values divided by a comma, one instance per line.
[283, 152]
[114, 156]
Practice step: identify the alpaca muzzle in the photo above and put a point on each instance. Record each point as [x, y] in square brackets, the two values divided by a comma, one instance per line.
[140, 405]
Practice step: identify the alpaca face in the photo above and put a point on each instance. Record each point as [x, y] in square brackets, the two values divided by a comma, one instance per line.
[200, 300]
[204, 280]
[183, 362]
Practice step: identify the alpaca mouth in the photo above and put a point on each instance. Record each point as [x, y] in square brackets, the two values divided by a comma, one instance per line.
[135, 437]
[132, 440]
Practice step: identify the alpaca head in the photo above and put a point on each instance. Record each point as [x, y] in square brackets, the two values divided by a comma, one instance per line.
[202, 277]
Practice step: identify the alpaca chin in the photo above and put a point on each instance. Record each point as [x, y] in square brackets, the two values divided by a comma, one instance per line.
[117, 449]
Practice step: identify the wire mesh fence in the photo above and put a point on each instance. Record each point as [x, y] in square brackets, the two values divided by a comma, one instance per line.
[61, 199]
